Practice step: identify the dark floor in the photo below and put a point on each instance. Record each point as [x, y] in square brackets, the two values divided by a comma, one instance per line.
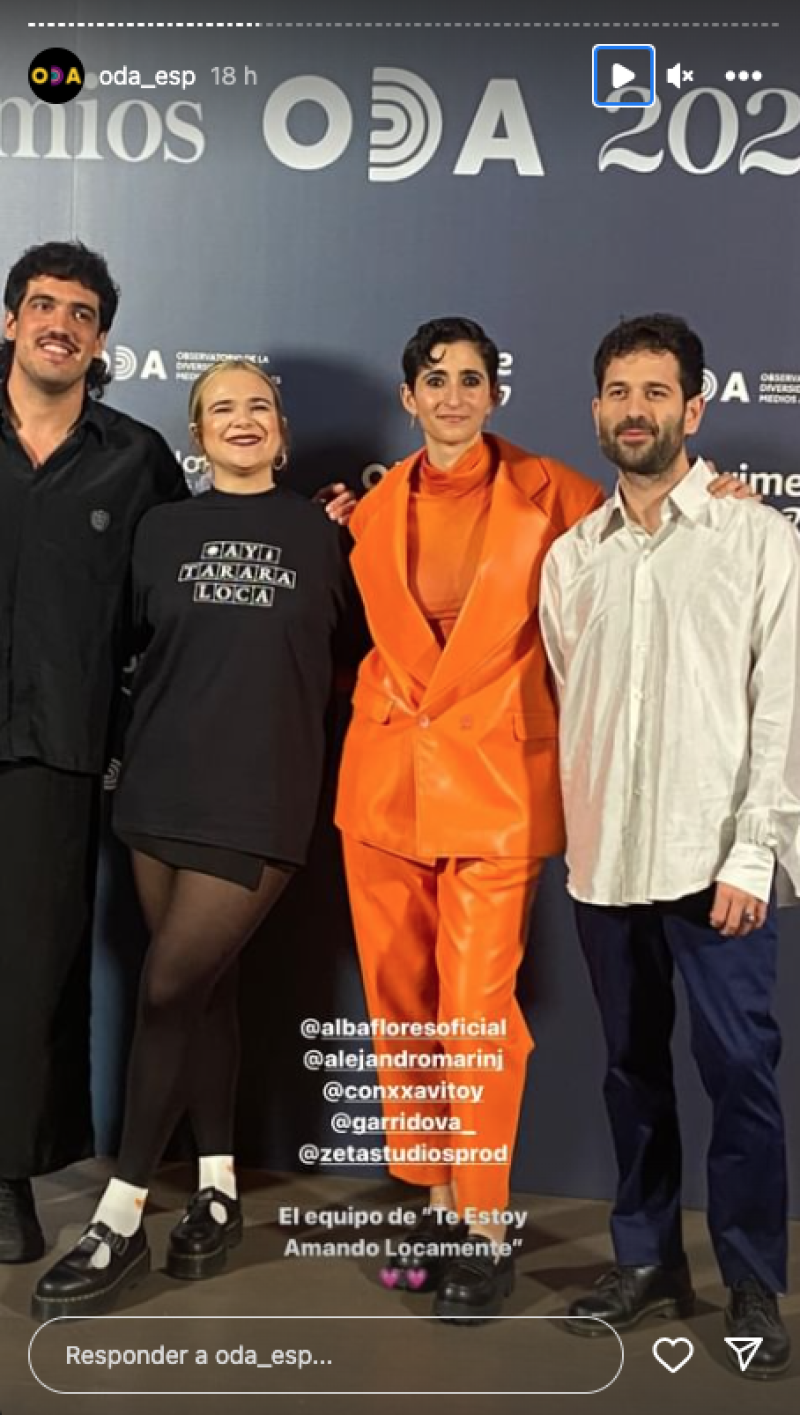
[563, 1246]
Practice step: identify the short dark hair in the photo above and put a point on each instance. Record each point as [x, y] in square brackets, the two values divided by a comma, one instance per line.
[658, 334]
[63, 260]
[450, 329]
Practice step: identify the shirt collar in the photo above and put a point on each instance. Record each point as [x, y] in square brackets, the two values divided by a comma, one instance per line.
[611, 514]
[90, 416]
[689, 498]
[690, 495]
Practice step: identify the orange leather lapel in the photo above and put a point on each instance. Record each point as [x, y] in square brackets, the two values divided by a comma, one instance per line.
[398, 625]
[503, 595]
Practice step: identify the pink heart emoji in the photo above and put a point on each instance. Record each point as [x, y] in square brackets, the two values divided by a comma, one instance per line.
[417, 1278]
[389, 1276]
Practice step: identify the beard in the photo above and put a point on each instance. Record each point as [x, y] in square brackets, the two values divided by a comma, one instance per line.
[647, 459]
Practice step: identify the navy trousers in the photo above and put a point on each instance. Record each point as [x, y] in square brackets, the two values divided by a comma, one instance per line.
[632, 952]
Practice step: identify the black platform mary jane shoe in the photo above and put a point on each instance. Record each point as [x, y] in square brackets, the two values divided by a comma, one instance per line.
[199, 1244]
[75, 1287]
[474, 1285]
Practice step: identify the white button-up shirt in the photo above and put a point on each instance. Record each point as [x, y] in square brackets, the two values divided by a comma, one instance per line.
[677, 661]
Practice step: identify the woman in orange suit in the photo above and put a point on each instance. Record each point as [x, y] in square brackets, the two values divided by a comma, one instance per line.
[449, 798]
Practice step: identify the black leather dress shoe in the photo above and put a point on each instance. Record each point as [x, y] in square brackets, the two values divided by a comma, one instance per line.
[21, 1238]
[419, 1255]
[73, 1288]
[753, 1311]
[198, 1246]
[624, 1295]
[473, 1286]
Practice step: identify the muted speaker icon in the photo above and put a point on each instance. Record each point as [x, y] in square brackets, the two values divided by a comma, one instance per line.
[674, 75]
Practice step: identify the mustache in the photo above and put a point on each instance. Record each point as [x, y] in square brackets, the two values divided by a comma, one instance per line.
[62, 339]
[635, 425]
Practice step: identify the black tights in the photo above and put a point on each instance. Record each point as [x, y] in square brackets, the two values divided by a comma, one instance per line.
[185, 1052]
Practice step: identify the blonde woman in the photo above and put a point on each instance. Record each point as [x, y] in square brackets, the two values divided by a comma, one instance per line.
[238, 593]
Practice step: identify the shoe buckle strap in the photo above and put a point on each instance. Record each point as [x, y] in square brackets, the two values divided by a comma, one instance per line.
[203, 1200]
[98, 1233]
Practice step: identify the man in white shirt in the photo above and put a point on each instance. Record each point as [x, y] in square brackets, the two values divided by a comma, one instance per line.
[672, 624]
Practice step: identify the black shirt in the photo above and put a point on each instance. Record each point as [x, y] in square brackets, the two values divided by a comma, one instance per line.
[66, 530]
[242, 598]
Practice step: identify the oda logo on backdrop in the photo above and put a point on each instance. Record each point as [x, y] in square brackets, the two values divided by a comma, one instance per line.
[56, 75]
[123, 363]
[407, 125]
[734, 389]
[772, 387]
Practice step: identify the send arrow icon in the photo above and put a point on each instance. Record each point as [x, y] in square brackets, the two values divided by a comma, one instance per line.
[620, 75]
[745, 1348]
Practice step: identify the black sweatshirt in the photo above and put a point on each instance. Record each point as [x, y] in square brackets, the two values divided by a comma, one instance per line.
[239, 598]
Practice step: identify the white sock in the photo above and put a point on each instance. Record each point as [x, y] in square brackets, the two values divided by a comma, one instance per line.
[217, 1172]
[122, 1209]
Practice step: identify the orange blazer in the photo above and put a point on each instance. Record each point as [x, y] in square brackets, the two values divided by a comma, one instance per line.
[453, 751]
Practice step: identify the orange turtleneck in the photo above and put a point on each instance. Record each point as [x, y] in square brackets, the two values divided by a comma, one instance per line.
[447, 513]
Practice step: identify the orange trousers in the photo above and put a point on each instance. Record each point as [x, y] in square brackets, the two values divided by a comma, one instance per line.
[441, 944]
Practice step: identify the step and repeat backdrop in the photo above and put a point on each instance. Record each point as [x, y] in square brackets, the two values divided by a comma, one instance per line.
[306, 192]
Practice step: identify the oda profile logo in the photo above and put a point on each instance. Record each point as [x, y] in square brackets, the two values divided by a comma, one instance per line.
[56, 75]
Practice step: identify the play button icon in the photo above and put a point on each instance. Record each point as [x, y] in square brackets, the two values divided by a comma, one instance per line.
[623, 75]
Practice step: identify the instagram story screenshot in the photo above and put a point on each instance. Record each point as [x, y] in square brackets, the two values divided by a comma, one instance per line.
[399, 984]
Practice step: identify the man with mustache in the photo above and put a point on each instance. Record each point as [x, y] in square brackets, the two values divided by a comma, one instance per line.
[75, 477]
[672, 624]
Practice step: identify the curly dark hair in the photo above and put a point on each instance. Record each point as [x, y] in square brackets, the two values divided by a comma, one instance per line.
[450, 329]
[63, 260]
[658, 334]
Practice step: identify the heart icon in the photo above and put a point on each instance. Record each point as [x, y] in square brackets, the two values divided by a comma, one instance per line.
[389, 1276]
[416, 1278]
[673, 1365]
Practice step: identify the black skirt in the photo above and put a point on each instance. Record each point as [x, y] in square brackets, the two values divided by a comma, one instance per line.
[233, 865]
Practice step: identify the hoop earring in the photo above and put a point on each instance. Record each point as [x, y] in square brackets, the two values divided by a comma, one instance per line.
[280, 461]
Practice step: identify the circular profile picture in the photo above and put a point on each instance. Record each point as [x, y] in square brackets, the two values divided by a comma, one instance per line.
[56, 75]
